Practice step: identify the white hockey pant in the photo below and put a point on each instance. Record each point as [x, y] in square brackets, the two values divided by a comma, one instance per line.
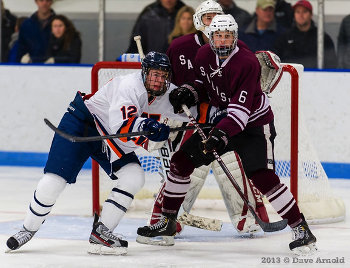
[131, 179]
[47, 191]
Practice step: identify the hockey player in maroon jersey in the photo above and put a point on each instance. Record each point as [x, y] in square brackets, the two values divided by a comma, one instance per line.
[229, 77]
[181, 53]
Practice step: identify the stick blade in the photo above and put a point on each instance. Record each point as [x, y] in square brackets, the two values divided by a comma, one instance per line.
[272, 226]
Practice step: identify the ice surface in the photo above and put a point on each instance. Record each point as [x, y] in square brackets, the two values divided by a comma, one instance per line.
[63, 239]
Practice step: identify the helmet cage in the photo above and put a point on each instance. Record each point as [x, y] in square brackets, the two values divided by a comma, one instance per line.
[156, 61]
[223, 23]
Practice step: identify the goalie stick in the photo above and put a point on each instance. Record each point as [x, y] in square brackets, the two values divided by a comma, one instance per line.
[112, 136]
[266, 226]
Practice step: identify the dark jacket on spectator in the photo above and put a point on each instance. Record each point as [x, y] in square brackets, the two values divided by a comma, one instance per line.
[34, 39]
[72, 55]
[301, 47]
[7, 29]
[284, 14]
[241, 16]
[154, 25]
[344, 44]
[260, 41]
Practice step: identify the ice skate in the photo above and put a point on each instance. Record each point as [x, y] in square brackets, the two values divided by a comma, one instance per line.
[157, 216]
[161, 233]
[304, 241]
[104, 242]
[19, 239]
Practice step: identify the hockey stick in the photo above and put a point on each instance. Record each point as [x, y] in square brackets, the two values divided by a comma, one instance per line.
[266, 226]
[137, 39]
[112, 136]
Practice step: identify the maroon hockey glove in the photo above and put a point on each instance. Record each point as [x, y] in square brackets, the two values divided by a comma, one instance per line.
[217, 141]
[185, 94]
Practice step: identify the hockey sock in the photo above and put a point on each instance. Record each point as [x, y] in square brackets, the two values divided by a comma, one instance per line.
[45, 195]
[278, 195]
[178, 182]
[122, 194]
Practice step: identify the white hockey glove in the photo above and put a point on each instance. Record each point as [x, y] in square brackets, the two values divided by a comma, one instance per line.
[271, 70]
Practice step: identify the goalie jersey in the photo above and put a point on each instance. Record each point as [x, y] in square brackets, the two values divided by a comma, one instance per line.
[122, 104]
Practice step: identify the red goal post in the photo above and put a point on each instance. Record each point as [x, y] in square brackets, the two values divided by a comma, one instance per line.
[293, 167]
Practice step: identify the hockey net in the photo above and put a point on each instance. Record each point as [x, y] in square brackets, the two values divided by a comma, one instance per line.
[297, 163]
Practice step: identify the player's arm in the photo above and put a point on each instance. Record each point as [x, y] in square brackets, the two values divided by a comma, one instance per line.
[125, 116]
[239, 108]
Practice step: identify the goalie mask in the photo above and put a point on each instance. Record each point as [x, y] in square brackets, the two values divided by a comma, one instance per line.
[223, 35]
[156, 73]
[204, 8]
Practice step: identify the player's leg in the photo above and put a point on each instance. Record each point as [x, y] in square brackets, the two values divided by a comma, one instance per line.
[128, 178]
[257, 156]
[64, 162]
[178, 181]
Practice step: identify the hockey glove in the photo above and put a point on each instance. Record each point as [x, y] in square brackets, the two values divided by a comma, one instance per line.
[217, 141]
[185, 94]
[159, 132]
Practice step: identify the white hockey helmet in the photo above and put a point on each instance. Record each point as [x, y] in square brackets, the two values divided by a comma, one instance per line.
[208, 6]
[224, 23]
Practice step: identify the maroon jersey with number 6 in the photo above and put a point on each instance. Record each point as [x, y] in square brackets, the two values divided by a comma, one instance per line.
[233, 84]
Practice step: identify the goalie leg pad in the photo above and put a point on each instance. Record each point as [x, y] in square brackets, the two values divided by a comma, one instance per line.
[45, 195]
[241, 218]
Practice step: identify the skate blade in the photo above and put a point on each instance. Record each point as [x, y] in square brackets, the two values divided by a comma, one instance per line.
[158, 241]
[98, 249]
[8, 250]
[305, 250]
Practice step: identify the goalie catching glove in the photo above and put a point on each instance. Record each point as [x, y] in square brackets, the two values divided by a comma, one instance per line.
[159, 132]
[185, 94]
[217, 141]
[271, 70]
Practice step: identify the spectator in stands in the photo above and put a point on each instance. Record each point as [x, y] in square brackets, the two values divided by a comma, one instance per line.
[262, 32]
[34, 34]
[13, 45]
[344, 44]
[284, 14]
[299, 44]
[242, 17]
[7, 29]
[183, 23]
[64, 43]
[154, 25]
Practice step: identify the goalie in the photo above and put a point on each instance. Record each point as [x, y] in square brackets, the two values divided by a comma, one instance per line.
[182, 52]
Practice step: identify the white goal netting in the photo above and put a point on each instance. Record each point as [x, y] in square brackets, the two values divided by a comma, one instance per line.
[315, 197]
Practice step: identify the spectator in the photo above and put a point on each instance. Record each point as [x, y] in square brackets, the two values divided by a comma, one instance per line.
[284, 14]
[154, 25]
[344, 44]
[13, 45]
[64, 43]
[262, 32]
[183, 23]
[299, 44]
[242, 17]
[34, 34]
[7, 29]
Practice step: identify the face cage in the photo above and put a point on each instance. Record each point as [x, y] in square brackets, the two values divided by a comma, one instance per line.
[166, 85]
[222, 51]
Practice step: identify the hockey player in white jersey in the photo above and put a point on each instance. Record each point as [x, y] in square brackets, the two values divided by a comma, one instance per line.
[115, 108]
